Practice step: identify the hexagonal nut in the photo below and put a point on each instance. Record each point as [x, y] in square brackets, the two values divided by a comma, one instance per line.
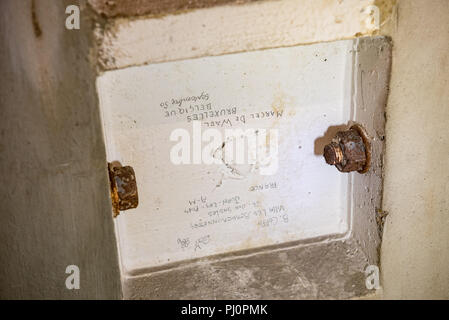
[123, 188]
[349, 150]
[353, 149]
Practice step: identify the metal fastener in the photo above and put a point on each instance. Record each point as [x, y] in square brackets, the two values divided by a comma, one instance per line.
[349, 150]
[123, 187]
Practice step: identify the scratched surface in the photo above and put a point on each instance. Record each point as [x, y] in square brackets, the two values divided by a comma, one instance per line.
[189, 211]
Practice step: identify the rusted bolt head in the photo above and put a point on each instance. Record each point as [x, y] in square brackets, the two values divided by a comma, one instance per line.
[123, 188]
[349, 150]
[333, 153]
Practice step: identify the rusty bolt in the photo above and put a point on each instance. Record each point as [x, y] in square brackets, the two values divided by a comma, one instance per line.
[123, 187]
[349, 150]
[333, 153]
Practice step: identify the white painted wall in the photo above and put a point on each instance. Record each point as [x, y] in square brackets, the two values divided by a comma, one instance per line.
[316, 88]
[303, 89]
[415, 255]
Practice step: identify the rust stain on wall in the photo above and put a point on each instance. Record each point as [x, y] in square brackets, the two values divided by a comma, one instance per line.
[36, 27]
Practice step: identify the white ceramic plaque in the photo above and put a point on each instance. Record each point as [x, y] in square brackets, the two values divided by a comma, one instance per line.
[194, 210]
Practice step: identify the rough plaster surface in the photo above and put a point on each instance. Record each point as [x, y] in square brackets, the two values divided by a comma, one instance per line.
[320, 271]
[55, 206]
[231, 28]
[415, 249]
[415, 260]
[131, 8]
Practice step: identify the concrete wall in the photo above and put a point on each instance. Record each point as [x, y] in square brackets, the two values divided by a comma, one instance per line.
[323, 235]
[55, 208]
[415, 249]
[235, 27]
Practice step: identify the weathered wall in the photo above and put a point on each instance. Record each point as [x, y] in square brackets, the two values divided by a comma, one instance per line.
[415, 249]
[229, 28]
[52, 155]
[55, 208]
[415, 258]
[328, 231]
[154, 7]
